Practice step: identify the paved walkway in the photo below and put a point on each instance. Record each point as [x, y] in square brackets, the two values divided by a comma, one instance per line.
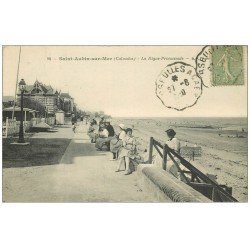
[83, 175]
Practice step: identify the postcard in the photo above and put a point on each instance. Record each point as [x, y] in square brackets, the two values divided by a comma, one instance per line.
[125, 123]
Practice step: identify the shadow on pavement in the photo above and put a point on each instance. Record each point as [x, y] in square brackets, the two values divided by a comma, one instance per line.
[80, 148]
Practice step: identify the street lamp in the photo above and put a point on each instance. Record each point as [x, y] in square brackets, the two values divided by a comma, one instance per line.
[22, 86]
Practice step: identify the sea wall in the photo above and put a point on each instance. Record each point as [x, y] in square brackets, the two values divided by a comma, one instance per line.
[165, 187]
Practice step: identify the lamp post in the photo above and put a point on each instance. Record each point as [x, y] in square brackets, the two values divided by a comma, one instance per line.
[22, 86]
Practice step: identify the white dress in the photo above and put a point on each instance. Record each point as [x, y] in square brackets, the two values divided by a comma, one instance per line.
[174, 144]
[116, 143]
[171, 166]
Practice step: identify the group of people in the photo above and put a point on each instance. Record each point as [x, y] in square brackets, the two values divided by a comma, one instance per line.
[121, 144]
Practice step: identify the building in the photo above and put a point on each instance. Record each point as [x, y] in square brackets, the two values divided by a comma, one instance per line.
[28, 114]
[44, 95]
[68, 105]
[8, 101]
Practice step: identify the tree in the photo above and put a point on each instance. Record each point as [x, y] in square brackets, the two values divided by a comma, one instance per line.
[35, 105]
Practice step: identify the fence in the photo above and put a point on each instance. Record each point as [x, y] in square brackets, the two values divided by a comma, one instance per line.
[11, 127]
[192, 176]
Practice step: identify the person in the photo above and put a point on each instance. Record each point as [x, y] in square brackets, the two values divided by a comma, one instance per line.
[174, 144]
[74, 122]
[117, 140]
[110, 129]
[103, 137]
[127, 152]
[101, 120]
[93, 131]
[73, 119]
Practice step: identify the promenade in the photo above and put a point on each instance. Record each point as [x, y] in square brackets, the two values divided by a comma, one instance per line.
[82, 175]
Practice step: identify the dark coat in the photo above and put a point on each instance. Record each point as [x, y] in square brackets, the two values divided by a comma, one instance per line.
[110, 130]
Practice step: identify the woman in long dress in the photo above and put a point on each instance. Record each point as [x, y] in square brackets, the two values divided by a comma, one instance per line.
[173, 143]
[93, 131]
[127, 152]
[102, 137]
[116, 142]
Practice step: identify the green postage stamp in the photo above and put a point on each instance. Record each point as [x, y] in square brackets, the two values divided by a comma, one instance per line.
[228, 66]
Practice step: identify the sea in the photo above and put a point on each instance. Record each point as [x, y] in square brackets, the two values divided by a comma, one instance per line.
[228, 123]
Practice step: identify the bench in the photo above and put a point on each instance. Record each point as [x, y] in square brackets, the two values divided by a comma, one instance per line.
[191, 152]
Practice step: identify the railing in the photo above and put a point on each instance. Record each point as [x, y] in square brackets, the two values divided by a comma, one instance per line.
[192, 176]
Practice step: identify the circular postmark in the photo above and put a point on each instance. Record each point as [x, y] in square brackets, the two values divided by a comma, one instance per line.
[204, 65]
[178, 86]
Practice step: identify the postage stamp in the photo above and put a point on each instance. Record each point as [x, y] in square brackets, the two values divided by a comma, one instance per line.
[178, 86]
[227, 63]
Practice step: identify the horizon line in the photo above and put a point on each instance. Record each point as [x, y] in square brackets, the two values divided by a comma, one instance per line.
[179, 116]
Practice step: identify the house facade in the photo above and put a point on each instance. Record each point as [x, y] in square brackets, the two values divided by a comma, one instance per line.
[44, 95]
[8, 101]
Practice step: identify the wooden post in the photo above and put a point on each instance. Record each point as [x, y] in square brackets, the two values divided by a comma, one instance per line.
[164, 158]
[150, 157]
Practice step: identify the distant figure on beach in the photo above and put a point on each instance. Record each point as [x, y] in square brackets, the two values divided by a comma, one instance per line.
[127, 152]
[93, 131]
[116, 142]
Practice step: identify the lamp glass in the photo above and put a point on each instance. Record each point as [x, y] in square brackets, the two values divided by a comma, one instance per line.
[22, 85]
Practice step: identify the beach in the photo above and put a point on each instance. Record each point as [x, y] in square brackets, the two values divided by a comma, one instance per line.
[223, 142]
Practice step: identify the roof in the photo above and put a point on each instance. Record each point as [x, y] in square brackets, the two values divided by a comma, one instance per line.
[66, 95]
[8, 99]
[18, 109]
[43, 88]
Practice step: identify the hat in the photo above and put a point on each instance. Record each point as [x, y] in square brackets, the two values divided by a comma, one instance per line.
[170, 132]
[122, 126]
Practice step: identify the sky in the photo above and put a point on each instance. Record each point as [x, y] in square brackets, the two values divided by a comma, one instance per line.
[120, 88]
